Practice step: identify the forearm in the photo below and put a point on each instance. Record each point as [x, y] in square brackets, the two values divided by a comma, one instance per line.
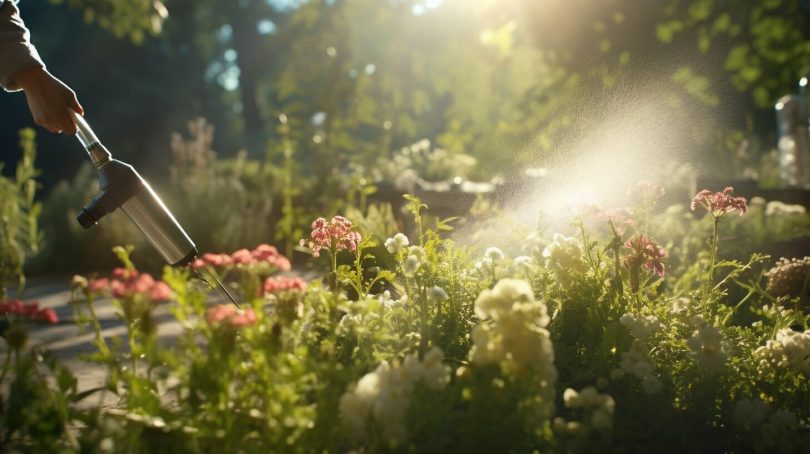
[16, 52]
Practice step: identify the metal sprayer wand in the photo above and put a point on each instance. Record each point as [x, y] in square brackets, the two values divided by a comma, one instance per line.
[123, 188]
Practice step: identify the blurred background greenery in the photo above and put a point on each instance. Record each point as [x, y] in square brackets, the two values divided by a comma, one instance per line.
[252, 116]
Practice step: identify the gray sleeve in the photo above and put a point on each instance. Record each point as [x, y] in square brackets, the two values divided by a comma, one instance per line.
[16, 51]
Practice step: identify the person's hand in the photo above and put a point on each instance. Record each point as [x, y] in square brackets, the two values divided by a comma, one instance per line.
[49, 100]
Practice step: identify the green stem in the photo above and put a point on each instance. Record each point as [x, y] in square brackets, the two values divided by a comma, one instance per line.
[102, 344]
[713, 258]
[5, 367]
[333, 275]
[423, 320]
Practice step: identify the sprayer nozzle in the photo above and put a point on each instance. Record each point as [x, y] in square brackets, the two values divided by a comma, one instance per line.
[218, 285]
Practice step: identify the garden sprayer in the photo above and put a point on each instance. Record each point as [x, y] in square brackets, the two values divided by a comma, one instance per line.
[122, 187]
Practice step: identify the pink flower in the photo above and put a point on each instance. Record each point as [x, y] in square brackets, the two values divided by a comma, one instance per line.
[128, 283]
[228, 314]
[719, 203]
[143, 283]
[644, 252]
[264, 253]
[246, 318]
[335, 235]
[220, 312]
[99, 285]
[160, 292]
[243, 257]
[283, 284]
[48, 316]
[16, 309]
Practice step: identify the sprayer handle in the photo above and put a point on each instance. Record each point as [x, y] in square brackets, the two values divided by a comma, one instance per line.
[83, 131]
[98, 154]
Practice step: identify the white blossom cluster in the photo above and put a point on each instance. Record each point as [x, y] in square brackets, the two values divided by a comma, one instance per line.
[438, 294]
[709, 347]
[383, 396]
[790, 349]
[636, 362]
[491, 258]
[773, 431]
[396, 243]
[598, 407]
[776, 208]
[513, 334]
[564, 256]
[641, 326]
[681, 305]
[388, 301]
[414, 259]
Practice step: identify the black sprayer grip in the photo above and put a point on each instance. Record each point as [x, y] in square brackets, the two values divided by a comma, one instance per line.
[92, 213]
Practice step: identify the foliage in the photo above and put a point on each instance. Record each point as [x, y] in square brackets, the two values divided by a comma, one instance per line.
[19, 234]
[131, 18]
[571, 343]
[222, 203]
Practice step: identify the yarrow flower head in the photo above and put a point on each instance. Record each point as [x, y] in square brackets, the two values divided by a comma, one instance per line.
[280, 284]
[229, 315]
[383, 396]
[641, 327]
[513, 335]
[636, 362]
[599, 407]
[126, 283]
[564, 256]
[395, 244]
[18, 310]
[410, 265]
[719, 203]
[263, 255]
[644, 253]
[790, 349]
[334, 235]
[438, 294]
[708, 345]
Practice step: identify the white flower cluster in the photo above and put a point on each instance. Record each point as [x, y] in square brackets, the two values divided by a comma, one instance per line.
[776, 208]
[522, 261]
[636, 362]
[599, 407]
[790, 349]
[414, 259]
[388, 301]
[513, 334]
[397, 242]
[564, 256]
[491, 258]
[709, 347]
[438, 294]
[384, 395]
[773, 431]
[641, 327]
[681, 305]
